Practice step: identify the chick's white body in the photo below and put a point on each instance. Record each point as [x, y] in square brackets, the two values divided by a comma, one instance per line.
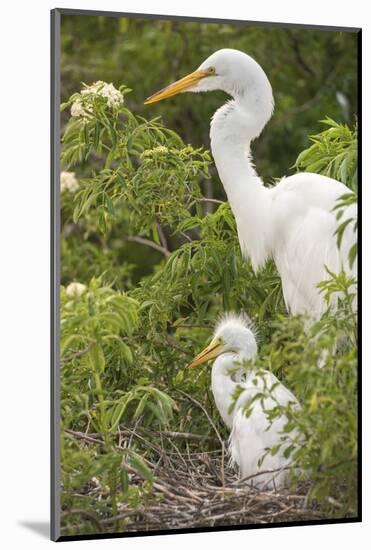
[254, 434]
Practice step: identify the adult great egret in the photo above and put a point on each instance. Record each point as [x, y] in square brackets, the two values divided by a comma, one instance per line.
[233, 343]
[292, 222]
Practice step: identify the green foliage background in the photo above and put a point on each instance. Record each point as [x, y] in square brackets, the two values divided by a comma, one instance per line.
[151, 237]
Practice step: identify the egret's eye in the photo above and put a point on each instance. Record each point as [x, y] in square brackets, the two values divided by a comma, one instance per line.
[211, 70]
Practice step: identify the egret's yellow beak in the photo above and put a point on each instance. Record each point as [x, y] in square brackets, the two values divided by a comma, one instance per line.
[212, 350]
[176, 87]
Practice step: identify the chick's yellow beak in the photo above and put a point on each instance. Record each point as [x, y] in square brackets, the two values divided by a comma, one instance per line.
[176, 87]
[212, 350]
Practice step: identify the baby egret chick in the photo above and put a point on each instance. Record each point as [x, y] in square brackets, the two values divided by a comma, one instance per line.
[251, 434]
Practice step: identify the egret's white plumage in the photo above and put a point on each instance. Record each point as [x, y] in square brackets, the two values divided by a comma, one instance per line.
[292, 222]
[233, 343]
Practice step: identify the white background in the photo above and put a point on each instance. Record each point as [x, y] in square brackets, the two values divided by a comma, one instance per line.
[24, 269]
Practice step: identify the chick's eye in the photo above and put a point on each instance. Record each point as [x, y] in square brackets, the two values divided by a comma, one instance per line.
[211, 70]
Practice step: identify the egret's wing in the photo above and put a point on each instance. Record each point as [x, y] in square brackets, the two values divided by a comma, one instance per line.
[302, 259]
[306, 223]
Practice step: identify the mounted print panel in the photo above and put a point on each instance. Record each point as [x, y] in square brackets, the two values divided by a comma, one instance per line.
[205, 336]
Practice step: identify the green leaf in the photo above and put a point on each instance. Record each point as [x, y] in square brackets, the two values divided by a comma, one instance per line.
[140, 466]
[353, 254]
[96, 136]
[124, 478]
[96, 357]
[340, 231]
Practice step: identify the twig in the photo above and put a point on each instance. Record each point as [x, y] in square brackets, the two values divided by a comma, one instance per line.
[214, 427]
[215, 201]
[147, 242]
[206, 414]
[186, 435]
[77, 354]
[275, 471]
[205, 199]
[161, 234]
[81, 435]
[296, 47]
[278, 513]
[186, 236]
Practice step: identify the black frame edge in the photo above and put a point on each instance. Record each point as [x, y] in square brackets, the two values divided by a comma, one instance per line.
[71, 11]
[215, 529]
[359, 267]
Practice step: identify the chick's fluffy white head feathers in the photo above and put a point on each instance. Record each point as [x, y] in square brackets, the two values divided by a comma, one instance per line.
[238, 334]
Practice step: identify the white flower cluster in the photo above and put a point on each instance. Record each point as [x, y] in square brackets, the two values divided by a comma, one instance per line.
[69, 182]
[159, 150]
[77, 109]
[114, 98]
[75, 289]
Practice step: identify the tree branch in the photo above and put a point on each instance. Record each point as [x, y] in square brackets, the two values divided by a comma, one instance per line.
[147, 242]
[161, 234]
[215, 201]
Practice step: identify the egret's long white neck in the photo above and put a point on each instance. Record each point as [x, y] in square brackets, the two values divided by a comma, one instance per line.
[223, 385]
[233, 127]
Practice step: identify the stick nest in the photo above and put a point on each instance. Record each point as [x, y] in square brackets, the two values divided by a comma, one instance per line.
[190, 490]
